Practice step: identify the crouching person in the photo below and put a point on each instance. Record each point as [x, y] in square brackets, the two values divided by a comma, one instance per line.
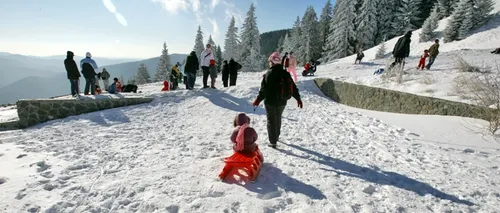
[115, 87]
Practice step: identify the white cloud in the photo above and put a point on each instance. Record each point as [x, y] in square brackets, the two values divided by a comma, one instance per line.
[195, 4]
[109, 5]
[214, 4]
[172, 6]
[121, 19]
[215, 29]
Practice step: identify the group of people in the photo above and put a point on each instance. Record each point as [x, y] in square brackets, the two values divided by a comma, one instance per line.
[209, 68]
[402, 50]
[88, 69]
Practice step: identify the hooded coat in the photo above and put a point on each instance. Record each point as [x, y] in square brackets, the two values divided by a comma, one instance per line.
[71, 68]
[402, 47]
[244, 136]
[192, 63]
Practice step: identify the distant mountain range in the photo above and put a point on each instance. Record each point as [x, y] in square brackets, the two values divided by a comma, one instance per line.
[25, 77]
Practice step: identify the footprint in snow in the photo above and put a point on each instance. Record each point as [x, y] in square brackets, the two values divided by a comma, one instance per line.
[42, 166]
[3, 180]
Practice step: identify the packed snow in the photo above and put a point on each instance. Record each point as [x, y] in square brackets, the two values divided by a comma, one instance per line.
[165, 157]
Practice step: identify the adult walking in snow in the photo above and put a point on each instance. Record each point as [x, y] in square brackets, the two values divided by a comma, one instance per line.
[401, 49]
[277, 87]
[205, 58]
[88, 67]
[233, 71]
[105, 78]
[73, 74]
[190, 69]
[433, 53]
[292, 66]
[225, 73]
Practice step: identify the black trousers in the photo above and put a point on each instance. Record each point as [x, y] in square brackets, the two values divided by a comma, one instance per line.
[206, 73]
[232, 79]
[225, 79]
[274, 114]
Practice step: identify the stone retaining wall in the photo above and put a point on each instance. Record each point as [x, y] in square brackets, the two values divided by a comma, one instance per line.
[379, 99]
[32, 112]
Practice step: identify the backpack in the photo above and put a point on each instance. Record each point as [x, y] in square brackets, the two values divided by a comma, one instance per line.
[282, 85]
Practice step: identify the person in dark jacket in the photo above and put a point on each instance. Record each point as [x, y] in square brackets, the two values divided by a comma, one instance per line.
[285, 60]
[73, 74]
[89, 66]
[233, 71]
[190, 69]
[269, 92]
[225, 73]
[402, 49]
[433, 53]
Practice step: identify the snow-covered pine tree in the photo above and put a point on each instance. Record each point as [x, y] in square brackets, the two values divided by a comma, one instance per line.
[122, 79]
[380, 51]
[280, 44]
[253, 63]
[210, 40]
[295, 39]
[218, 57]
[385, 17]
[198, 43]
[451, 33]
[430, 24]
[481, 11]
[131, 80]
[163, 65]
[250, 41]
[142, 76]
[367, 24]
[407, 17]
[310, 34]
[287, 45]
[341, 42]
[324, 22]
[467, 24]
[231, 43]
[445, 7]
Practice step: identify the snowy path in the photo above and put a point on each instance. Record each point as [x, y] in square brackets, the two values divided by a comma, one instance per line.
[165, 157]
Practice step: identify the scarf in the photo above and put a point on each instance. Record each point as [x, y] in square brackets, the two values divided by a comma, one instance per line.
[240, 138]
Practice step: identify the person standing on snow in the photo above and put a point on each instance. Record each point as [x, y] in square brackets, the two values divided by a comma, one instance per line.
[284, 60]
[292, 64]
[73, 74]
[192, 66]
[105, 78]
[401, 49]
[277, 87]
[225, 73]
[433, 53]
[88, 67]
[205, 58]
[233, 71]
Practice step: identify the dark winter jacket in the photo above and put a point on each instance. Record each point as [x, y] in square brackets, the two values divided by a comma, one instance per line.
[225, 69]
[249, 135]
[234, 67]
[88, 67]
[71, 67]
[434, 50]
[402, 47]
[268, 90]
[192, 63]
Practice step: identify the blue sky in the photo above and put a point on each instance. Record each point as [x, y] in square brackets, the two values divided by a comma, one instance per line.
[131, 28]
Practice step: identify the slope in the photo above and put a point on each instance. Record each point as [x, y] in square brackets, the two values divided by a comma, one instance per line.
[164, 157]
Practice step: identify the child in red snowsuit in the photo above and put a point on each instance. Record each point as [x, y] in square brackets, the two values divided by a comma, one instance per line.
[243, 136]
[421, 63]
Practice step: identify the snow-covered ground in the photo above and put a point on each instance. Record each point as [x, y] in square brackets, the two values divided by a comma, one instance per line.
[165, 157]
[8, 114]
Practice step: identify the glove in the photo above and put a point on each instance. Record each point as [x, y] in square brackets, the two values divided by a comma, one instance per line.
[256, 102]
[299, 104]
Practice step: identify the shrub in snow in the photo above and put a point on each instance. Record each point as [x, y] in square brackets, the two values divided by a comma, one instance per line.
[381, 51]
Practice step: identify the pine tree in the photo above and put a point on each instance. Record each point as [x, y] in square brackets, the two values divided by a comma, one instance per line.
[295, 39]
[231, 44]
[367, 24]
[210, 40]
[280, 44]
[430, 24]
[250, 40]
[467, 24]
[309, 38]
[451, 33]
[163, 65]
[341, 42]
[218, 57]
[445, 8]
[385, 19]
[198, 45]
[142, 76]
[407, 16]
[380, 51]
[253, 63]
[131, 81]
[121, 78]
[287, 45]
[481, 11]
[324, 22]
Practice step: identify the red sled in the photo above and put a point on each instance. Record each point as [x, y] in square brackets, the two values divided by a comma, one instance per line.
[249, 163]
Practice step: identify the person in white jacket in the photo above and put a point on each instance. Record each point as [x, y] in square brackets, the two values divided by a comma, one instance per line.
[205, 58]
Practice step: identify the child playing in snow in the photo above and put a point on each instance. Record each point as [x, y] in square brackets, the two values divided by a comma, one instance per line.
[213, 73]
[243, 136]
[421, 63]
